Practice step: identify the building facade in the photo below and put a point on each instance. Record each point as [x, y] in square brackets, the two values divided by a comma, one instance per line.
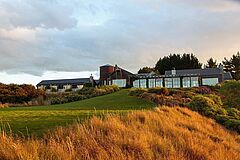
[63, 85]
[114, 75]
[182, 78]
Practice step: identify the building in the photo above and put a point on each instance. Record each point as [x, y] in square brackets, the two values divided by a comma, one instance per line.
[114, 75]
[62, 85]
[182, 78]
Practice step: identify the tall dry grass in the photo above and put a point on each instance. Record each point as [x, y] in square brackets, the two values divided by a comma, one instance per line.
[165, 133]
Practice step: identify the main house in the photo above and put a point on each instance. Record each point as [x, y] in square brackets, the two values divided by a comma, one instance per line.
[114, 75]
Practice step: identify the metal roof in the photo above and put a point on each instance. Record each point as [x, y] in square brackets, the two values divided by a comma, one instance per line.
[202, 72]
[227, 76]
[65, 81]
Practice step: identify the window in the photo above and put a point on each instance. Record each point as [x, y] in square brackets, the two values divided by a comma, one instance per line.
[119, 82]
[186, 82]
[143, 83]
[176, 82]
[159, 82]
[136, 84]
[168, 83]
[67, 86]
[194, 82]
[210, 81]
[151, 83]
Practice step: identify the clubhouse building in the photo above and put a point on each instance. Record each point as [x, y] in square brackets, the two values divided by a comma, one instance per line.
[114, 75]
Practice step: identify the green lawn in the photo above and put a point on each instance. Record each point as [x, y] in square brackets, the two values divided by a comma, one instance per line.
[36, 120]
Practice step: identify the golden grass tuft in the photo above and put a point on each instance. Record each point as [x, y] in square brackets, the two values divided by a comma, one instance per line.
[164, 133]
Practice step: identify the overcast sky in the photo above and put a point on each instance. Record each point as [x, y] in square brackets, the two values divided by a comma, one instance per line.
[51, 39]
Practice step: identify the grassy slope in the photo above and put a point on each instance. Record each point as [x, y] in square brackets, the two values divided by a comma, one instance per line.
[164, 133]
[38, 119]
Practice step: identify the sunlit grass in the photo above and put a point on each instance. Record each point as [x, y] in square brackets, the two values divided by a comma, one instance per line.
[163, 133]
[36, 120]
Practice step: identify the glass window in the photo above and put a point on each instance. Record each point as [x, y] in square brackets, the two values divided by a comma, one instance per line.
[176, 83]
[152, 83]
[119, 82]
[136, 84]
[143, 83]
[194, 82]
[159, 82]
[168, 83]
[210, 81]
[186, 82]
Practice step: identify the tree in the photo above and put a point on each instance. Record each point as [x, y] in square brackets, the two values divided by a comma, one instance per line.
[232, 65]
[177, 61]
[145, 70]
[211, 63]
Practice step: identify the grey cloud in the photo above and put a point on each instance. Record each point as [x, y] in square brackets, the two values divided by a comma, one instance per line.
[33, 14]
[128, 33]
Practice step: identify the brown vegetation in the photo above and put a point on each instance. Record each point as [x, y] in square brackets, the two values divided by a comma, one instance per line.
[22, 95]
[165, 133]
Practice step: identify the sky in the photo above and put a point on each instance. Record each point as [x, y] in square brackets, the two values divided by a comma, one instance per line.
[56, 39]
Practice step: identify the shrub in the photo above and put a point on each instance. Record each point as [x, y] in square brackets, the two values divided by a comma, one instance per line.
[204, 105]
[188, 94]
[84, 93]
[148, 96]
[68, 90]
[204, 90]
[159, 90]
[231, 92]
[75, 97]
[86, 90]
[53, 90]
[233, 124]
[217, 100]
[58, 100]
[99, 92]
[234, 113]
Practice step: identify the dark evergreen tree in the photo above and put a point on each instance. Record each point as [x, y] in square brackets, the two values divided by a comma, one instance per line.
[186, 61]
[211, 63]
[145, 70]
[233, 65]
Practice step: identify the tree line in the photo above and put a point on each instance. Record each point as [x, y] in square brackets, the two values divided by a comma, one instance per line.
[14, 93]
[190, 61]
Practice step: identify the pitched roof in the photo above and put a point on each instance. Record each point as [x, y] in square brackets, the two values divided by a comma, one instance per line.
[203, 72]
[227, 76]
[123, 71]
[65, 81]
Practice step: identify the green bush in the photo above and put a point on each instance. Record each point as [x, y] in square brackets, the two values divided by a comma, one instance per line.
[204, 105]
[99, 92]
[233, 124]
[231, 93]
[159, 90]
[234, 113]
[217, 100]
[53, 89]
[84, 93]
[68, 90]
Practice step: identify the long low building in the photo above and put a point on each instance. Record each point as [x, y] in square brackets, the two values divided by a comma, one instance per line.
[182, 78]
[62, 85]
[114, 75]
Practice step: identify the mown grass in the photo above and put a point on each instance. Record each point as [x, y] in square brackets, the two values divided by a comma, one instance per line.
[36, 120]
[164, 133]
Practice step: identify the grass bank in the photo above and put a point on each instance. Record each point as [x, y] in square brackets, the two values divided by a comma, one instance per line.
[36, 120]
[164, 133]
